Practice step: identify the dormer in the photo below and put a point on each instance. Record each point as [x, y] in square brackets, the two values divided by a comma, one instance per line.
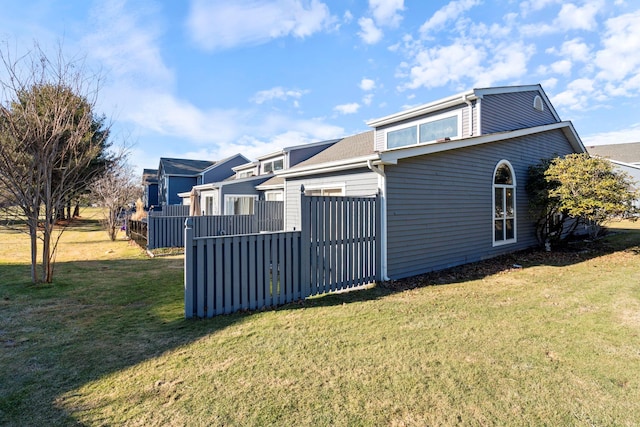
[246, 170]
[468, 114]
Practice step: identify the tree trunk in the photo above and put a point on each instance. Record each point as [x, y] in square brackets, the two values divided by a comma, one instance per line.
[33, 236]
[76, 210]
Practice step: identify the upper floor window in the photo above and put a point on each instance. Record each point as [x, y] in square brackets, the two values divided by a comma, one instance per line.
[428, 130]
[504, 202]
[273, 165]
[245, 174]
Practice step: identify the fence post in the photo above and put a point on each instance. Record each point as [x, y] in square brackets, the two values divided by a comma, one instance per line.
[305, 245]
[378, 237]
[188, 268]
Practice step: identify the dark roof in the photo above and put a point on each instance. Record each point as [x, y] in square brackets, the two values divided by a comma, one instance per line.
[184, 166]
[626, 153]
[149, 176]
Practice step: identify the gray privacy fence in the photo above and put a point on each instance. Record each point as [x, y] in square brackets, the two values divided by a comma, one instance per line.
[336, 248]
[170, 210]
[168, 231]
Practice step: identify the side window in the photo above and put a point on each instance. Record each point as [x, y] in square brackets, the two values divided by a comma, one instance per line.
[504, 202]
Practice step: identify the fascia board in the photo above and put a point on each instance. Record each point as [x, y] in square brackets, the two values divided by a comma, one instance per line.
[440, 104]
[339, 165]
[392, 157]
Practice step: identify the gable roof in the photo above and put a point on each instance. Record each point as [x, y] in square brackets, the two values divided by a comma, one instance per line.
[184, 167]
[625, 153]
[460, 98]
[149, 176]
[298, 147]
[348, 152]
[223, 161]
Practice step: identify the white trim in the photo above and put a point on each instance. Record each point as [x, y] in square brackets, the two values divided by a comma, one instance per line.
[269, 192]
[420, 110]
[392, 156]
[228, 196]
[512, 186]
[418, 123]
[261, 171]
[334, 166]
[342, 186]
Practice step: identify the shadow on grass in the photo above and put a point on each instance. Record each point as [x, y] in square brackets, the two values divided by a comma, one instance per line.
[101, 317]
[97, 318]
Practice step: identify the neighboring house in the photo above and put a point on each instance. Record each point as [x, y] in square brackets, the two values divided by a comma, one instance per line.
[451, 174]
[237, 194]
[624, 157]
[150, 184]
[178, 175]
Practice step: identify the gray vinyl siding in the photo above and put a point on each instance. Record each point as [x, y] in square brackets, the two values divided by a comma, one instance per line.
[379, 138]
[511, 111]
[179, 184]
[359, 182]
[222, 171]
[439, 206]
[242, 187]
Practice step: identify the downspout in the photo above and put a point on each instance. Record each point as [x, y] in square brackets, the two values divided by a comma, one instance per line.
[464, 98]
[382, 186]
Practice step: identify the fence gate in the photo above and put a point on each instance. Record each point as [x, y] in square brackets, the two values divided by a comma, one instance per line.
[337, 248]
[340, 242]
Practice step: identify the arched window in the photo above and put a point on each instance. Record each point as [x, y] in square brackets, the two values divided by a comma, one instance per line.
[504, 202]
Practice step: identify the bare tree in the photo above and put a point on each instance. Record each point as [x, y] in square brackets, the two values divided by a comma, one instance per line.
[115, 191]
[48, 142]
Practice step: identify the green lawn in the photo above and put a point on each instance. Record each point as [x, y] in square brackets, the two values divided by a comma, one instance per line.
[556, 342]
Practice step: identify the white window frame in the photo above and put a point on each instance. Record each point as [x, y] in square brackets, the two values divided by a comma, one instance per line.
[504, 218]
[227, 197]
[417, 124]
[324, 187]
[245, 174]
[279, 194]
[272, 162]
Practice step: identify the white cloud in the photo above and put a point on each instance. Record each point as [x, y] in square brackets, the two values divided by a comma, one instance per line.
[347, 108]
[369, 33]
[125, 42]
[570, 17]
[385, 12]
[447, 13]
[619, 60]
[224, 24]
[577, 95]
[620, 136]
[367, 84]
[562, 67]
[463, 60]
[277, 93]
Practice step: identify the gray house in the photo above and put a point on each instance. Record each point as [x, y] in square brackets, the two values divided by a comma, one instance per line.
[624, 157]
[451, 175]
[237, 192]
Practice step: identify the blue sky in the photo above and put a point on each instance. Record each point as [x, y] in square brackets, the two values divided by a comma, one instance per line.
[206, 79]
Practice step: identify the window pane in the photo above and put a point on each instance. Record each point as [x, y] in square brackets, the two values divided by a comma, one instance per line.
[268, 167]
[499, 233]
[402, 137]
[503, 175]
[499, 208]
[510, 229]
[278, 165]
[509, 202]
[438, 129]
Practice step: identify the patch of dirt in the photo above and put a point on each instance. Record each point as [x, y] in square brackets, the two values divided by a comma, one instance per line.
[572, 253]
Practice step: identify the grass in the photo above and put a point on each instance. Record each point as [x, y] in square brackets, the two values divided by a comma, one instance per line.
[556, 342]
